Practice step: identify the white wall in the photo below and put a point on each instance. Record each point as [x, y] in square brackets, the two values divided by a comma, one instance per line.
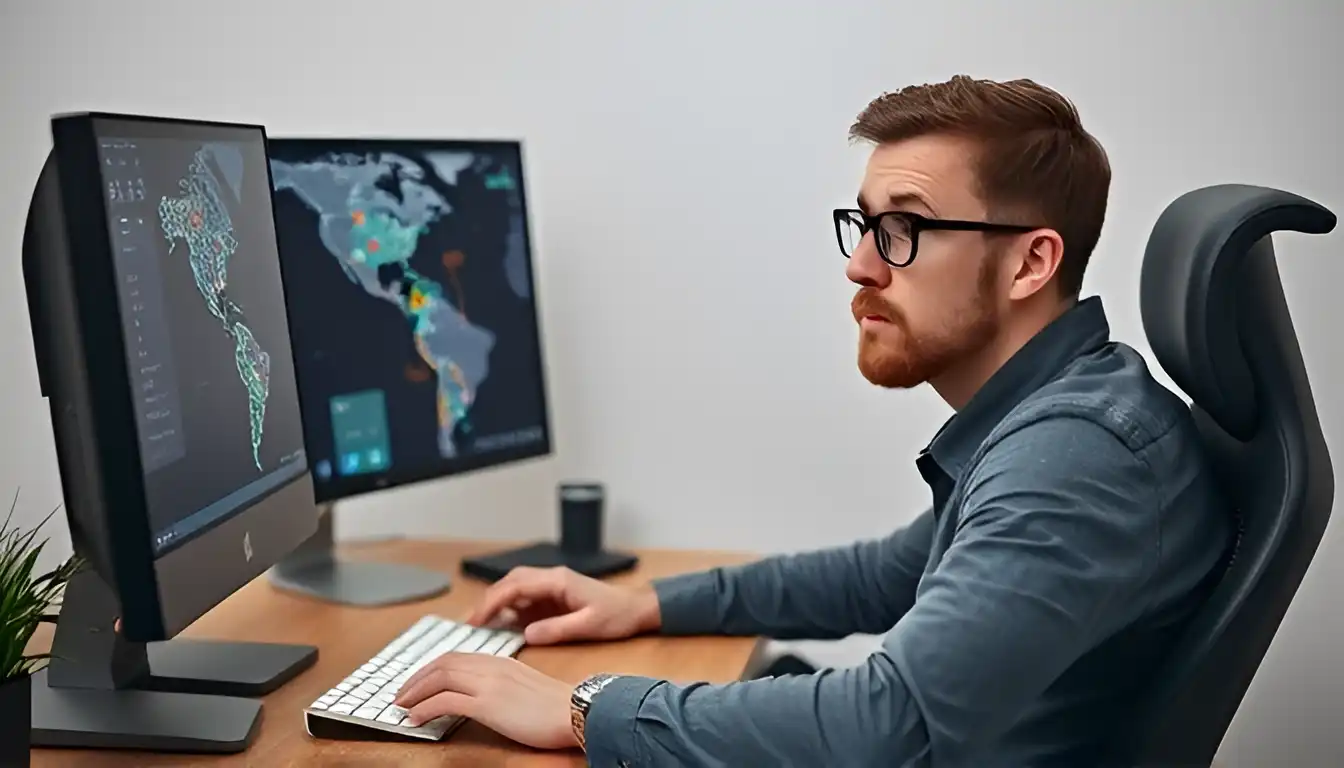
[682, 162]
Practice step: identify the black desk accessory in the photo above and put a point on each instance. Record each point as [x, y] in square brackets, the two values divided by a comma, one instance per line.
[580, 548]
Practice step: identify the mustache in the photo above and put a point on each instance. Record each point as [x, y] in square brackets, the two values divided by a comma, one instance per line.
[868, 302]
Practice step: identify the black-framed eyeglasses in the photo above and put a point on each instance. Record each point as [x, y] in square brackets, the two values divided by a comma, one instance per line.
[896, 233]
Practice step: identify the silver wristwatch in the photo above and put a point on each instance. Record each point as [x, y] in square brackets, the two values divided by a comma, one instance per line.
[581, 700]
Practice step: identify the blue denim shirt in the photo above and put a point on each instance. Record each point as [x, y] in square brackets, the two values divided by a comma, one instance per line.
[1074, 527]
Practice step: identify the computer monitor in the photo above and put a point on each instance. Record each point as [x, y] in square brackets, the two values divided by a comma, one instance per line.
[410, 286]
[162, 343]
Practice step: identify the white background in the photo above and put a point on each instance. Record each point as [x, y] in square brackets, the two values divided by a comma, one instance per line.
[682, 161]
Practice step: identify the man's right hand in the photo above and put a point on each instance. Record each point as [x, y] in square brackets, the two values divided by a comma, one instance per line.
[557, 605]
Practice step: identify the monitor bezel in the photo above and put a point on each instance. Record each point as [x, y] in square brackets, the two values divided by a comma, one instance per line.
[338, 488]
[160, 593]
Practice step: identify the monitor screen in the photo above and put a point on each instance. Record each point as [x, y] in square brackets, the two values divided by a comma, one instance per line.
[204, 321]
[409, 278]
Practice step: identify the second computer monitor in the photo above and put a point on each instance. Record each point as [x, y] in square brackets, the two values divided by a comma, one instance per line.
[410, 285]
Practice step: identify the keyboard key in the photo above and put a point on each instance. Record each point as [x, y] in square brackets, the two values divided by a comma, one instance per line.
[369, 713]
[493, 644]
[472, 644]
[392, 716]
[449, 643]
[426, 641]
[341, 708]
[408, 637]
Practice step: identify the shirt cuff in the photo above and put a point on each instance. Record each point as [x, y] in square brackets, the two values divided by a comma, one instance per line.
[688, 604]
[609, 731]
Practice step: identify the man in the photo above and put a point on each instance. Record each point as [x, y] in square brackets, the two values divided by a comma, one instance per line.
[1074, 525]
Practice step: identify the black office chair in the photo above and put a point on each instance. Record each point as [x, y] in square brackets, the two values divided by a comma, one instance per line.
[1215, 314]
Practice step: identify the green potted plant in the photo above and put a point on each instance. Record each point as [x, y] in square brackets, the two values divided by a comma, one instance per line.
[26, 600]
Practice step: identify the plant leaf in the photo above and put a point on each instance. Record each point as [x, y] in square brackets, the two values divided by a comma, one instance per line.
[26, 599]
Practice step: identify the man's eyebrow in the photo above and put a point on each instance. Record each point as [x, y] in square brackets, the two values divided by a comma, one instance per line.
[904, 201]
[900, 201]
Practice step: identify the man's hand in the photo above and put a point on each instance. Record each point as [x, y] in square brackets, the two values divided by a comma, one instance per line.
[557, 605]
[503, 694]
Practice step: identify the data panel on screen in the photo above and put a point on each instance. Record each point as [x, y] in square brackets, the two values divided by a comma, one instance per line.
[207, 340]
[411, 299]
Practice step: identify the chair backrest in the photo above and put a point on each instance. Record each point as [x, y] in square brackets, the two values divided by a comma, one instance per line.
[1215, 315]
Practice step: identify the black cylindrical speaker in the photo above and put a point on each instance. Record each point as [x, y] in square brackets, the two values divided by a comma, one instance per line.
[581, 508]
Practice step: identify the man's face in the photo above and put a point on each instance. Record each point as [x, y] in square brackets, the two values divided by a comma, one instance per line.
[917, 321]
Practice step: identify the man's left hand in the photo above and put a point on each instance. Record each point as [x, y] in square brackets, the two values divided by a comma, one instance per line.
[503, 694]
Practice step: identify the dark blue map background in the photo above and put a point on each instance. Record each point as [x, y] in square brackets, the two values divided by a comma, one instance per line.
[349, 337]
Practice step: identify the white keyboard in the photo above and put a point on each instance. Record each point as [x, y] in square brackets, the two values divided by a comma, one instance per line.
[363, 700]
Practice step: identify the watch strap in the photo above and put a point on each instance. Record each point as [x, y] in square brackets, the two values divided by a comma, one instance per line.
[581, 700]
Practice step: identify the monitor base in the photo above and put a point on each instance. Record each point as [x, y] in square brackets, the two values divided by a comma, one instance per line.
[363, 584]
[153, 721]
[597, 564]
[224, 669]
[314, 570]
[103, 691]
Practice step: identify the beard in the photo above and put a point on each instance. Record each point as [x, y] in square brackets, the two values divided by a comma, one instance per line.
[911, 359]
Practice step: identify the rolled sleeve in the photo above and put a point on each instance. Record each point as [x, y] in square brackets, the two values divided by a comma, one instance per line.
[688, 604]
[610, 730]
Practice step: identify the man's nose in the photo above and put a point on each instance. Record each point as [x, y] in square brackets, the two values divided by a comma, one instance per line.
[866, 266]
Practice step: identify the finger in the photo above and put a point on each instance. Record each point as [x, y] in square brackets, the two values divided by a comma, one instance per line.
[504, 593]
[496, 600]
[422, 686]
[542, 609]
[449, 672]
[558, 629]
[520, 584]
[423, 676]
[439, 705]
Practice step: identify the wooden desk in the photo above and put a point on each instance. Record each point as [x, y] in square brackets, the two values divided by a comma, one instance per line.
[346, 637]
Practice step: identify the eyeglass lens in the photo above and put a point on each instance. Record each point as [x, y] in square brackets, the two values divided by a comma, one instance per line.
[893, 236]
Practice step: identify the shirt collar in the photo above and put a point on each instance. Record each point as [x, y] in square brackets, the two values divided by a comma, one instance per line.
[1080, 330]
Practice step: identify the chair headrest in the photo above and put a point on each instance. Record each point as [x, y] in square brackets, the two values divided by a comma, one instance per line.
[1189, 288]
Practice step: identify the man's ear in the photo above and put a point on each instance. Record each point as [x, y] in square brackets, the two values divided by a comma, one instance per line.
[1044, 250]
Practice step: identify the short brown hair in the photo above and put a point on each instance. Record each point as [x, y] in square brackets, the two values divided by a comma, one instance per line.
[1037, 165]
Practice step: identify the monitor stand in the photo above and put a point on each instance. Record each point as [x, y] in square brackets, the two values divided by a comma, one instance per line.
[315, 570]
[102, 691]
